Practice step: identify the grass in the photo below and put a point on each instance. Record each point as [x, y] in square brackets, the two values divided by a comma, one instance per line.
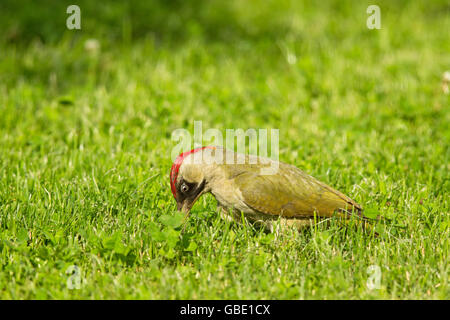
[85, 144]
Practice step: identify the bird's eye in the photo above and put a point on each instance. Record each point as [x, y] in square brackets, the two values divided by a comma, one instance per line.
[184, 188]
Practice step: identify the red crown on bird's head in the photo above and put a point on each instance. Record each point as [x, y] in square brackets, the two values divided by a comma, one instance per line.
[176, 167]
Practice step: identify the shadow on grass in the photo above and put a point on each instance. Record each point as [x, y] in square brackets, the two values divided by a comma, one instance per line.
[177, 20]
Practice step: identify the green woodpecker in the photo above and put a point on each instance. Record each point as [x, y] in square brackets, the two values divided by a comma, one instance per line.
[245, 184]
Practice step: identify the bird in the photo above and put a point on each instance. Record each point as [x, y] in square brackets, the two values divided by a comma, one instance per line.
[286, 197]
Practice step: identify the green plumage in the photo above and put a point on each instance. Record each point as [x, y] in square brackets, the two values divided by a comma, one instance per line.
[289, 192]
[244, 184]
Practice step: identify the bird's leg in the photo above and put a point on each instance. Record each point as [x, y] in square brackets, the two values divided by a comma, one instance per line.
[285, 224]
[226, 215]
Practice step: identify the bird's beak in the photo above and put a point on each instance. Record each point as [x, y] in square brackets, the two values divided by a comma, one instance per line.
[186, 205]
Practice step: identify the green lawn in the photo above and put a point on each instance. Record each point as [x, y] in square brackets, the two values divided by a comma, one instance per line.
[85, 146]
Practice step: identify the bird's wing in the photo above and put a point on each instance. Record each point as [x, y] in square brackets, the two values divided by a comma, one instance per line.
[290, 193]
